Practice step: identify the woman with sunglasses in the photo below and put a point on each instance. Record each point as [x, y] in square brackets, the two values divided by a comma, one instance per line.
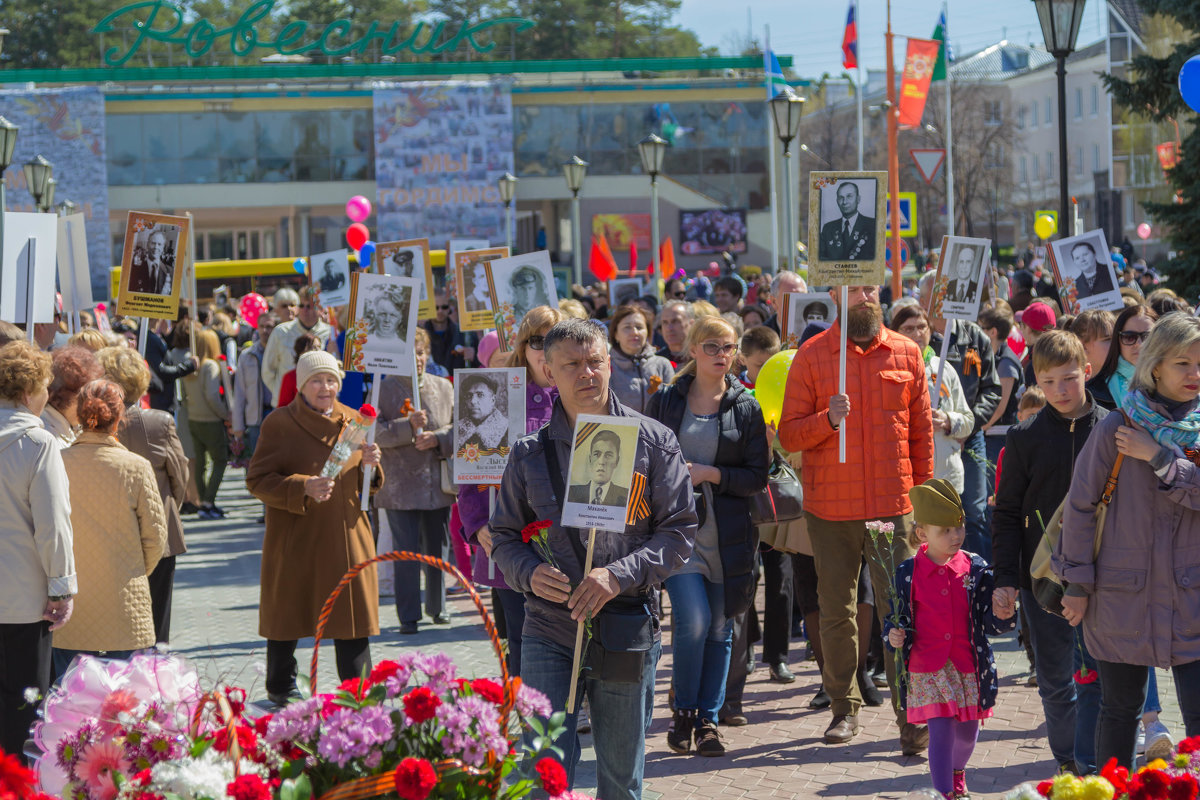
[724, 439]
[1110, 385]
[473, 499]
[637, 370]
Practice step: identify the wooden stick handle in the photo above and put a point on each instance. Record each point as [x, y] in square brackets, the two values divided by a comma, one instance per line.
[575, 661]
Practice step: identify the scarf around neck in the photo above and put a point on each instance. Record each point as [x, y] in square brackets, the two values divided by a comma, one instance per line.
[1180, 436]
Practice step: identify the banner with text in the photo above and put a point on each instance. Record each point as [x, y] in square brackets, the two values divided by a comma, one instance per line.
[67, 127]
[918, 72]
[439, 148]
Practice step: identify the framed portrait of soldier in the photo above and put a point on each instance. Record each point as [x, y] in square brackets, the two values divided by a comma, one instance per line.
[489, 415]
[517, 285]
[330, 273]
[1084, 272]
[474, 302]
[600, 481]
[622, 291]
[962, 276]
[379, 332]
[846, 228]
[409, 259]
[801, 308]
[152, 265]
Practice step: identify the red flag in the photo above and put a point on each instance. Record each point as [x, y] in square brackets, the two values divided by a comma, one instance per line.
[666, 259]
[850, 40]
[919, 63]
[632, 257]
[601, 261]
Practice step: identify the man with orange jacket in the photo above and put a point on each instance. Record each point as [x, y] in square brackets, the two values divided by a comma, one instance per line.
[889, 449]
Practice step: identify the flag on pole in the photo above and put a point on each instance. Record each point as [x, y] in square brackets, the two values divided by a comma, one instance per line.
[666, 259]
[601, 261]
[632, 257]
[850, 41]
[939, 35]
[776, 83]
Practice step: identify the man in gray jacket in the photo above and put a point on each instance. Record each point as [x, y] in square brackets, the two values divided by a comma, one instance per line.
[627, 567]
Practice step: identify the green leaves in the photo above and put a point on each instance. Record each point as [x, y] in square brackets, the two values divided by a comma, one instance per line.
[299, 788]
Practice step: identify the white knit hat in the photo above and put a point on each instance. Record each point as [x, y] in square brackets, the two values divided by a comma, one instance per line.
[313, 363]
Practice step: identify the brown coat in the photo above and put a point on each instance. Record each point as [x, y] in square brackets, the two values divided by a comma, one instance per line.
[151, 434]
[308, 545]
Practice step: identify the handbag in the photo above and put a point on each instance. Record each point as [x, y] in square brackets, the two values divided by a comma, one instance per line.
[447, 477]
[782, 500]
[1048, 588]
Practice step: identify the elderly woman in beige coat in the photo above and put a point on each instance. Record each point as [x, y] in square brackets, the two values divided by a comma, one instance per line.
[315, 530]
[120, 532]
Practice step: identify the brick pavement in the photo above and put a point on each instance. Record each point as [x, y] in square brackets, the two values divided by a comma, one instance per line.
[778, 755]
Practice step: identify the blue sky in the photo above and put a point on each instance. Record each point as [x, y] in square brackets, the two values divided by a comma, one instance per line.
[811, 31]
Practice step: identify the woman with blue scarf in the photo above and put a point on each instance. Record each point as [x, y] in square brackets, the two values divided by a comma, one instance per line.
[1138, 594]
[1111, 383]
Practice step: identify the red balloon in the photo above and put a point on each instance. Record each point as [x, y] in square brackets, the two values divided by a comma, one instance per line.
[356, 235]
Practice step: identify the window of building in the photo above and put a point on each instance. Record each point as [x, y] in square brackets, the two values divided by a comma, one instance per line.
[993, 112]
[1049, 165]
[1037, 168]
[1022, 112]
[1024, 170]
[1049, 118]
[1094, 106]
[1079, 160]
[1095, 158]
[1079, 104]
[1033, 116]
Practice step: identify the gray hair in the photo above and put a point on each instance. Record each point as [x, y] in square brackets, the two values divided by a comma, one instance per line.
[781, 276]
[285, 295]
[927, 280]
[1172, 334]
[688, 309]
[578, 331]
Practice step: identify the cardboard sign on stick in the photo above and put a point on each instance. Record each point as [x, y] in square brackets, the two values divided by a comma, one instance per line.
[17, 292]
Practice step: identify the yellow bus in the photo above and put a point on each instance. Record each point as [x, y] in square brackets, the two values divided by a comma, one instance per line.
[262, 275]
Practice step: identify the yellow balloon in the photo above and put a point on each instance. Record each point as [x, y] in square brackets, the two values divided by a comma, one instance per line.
[1045, 226]
[771, 384]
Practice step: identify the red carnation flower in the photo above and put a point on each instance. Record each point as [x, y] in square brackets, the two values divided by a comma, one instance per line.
[354, 687]
[1183, 787]
[246, 739]
[142, 778]
[15, 778]
[368, 410]
[1044, 788]
[554, 777]
[489, 690]
[1085, 676]
[421, 704]
[248, 787]
[1118, 776]
[1189, 745]
[415, 779]
[382, 671]
[1156, 782]
[534, 529]
[260, 724]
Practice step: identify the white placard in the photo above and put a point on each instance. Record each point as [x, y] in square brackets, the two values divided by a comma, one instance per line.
[960, 280]
[1084, 272]
[601, 473]
[518, 285]
[74, 281]
[379, 337]
[489, 415]
[330, 272]
[19, 228]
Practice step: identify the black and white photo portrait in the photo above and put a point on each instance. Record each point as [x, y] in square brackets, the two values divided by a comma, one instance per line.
[386, 308]
[152, 265]
[330, 272]
[475, 311]
[603, 461]
[409, 259]
[153, 268]
[958, 287]
[801, 308]
[489, 415]
[1086, 276]
[848, 221]
[601, 481]
[379, 337]
[522, 283]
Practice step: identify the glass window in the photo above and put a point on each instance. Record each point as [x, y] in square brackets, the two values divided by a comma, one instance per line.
[1033, 116]
[160, 140]
[1048, 116]
[1095, 158]
[198, 136]
[1024, 169]
[1079, 104]
[123, 150]
[350, 133]
[235, 135]
[1021, 114]
[1037, 168]
[1094, 106]
[1049, 165]
[1079, 160]
[274, 136]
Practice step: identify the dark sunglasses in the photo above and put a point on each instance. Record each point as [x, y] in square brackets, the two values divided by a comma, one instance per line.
[444, 308]
[536, 342]
[1133, 337]
[679, 294]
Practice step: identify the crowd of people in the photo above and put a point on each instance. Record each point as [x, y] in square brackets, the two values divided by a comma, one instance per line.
[961, 440]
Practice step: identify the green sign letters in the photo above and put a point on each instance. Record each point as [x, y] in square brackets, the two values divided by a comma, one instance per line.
[162, 21]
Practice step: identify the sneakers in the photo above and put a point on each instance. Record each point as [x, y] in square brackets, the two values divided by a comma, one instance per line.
[1158, 741]
[679, 734]
[1140, 748]
[708, 740]
[842, 729]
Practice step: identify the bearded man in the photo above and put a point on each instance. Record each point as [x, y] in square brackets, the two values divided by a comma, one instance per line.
[889, 449]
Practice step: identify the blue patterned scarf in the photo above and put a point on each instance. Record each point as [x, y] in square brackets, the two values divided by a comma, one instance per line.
[1181, 436]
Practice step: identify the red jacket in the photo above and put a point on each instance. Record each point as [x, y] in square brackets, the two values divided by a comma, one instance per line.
[889, 433]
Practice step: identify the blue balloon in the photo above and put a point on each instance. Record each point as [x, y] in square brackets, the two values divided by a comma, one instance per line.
[365, 253]
[299, 265]
[1189, 83]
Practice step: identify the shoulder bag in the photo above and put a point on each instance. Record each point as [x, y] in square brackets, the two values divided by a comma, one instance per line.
[783, 498]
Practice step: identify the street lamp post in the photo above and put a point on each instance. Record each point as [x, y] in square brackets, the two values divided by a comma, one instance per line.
[786, 108]
[507, 183]
[575, 170]
[653, 149]
[66, 208]
[8, 141]
[1060, 20]
[38, 172]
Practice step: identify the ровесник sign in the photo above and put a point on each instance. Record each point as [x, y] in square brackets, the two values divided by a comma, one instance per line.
[161, 21]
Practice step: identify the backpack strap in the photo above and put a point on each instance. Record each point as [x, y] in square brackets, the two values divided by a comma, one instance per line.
[1110, 485]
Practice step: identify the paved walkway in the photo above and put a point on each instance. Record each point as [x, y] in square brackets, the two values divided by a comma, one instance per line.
[778, 755]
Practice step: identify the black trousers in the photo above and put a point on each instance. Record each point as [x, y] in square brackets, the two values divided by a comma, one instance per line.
[24, 662]
[1122, 696]
[353, 656]
[162, 588]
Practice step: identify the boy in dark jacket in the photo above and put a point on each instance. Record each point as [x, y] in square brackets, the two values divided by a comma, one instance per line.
[1039, 456]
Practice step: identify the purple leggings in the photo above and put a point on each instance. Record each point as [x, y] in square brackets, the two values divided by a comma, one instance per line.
[950, 746]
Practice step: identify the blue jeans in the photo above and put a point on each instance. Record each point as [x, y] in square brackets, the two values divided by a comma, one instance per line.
[619, 713]
[701, 641]
[1071, 709]
[976, 478]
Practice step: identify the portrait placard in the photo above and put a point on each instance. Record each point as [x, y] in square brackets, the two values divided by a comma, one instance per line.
[846, 223]
[474, 303]
[29, 244]
[330, 273]
[455, 246]
[622, 291]
[409, 259]
[517, 285]
[600, 479]
[379, 332]
[74, 280]
[152, 265]
[1084, 273]
[962, 277]
[489, 415]
[801, 308]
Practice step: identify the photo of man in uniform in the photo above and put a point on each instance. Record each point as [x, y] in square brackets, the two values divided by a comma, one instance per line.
[331, 280]
[481, 423]
[851, 235]
[403, 259]
[964, 283]
[1091, 276]
[152, 270]
[604, 455]
[528, 290]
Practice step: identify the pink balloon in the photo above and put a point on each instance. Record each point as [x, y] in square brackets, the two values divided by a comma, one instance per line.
[1144, 230]
[251, 307]
[358, 208]
[356, 235]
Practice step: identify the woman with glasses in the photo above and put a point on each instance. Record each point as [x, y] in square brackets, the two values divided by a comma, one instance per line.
[724, 440]
[1110, 385]
[637, 370]
[473, 499]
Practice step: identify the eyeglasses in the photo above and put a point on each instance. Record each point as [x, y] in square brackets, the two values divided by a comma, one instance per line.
[536, 342]
[444, 308]
[1133, 337]
[680, 294]
[713, 349]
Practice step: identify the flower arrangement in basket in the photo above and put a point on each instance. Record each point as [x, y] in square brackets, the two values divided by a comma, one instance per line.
[1170, 779]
